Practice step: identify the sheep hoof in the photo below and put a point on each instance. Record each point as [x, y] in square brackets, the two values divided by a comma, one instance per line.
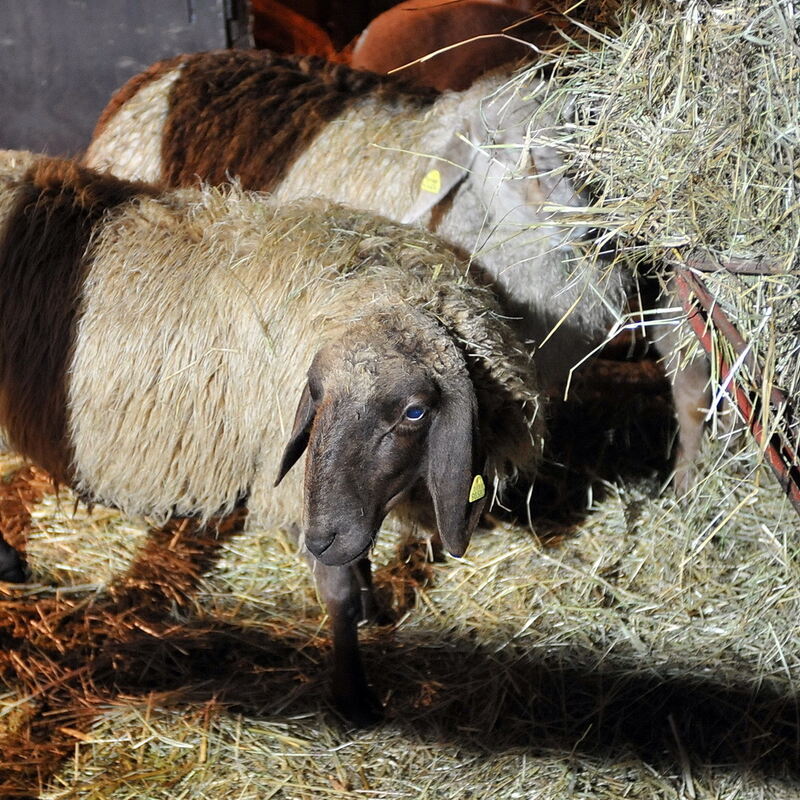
[685, 474]
[12, 567]
[362, 710]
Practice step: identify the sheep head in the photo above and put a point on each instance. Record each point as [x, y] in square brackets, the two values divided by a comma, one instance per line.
[388, 415]
[502, 149]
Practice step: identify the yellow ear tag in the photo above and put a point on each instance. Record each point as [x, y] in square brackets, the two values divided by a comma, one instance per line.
[432, 182]
[478, 489]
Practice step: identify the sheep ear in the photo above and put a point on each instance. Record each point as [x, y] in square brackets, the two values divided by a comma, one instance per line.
[301, 431]
[441, 174]
[452, 451]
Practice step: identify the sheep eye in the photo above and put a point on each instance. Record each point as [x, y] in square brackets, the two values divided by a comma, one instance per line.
[414, 413]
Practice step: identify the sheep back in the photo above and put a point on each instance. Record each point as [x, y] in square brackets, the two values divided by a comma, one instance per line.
[447, 45]
[254, 109]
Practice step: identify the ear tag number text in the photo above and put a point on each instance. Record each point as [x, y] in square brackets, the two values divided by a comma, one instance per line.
[478, 489]
[432, 182]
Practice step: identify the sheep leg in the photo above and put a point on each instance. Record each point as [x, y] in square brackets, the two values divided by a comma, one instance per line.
[362, 572]
[692, 396]
[12, 568]
[341, 589]
[691, 392]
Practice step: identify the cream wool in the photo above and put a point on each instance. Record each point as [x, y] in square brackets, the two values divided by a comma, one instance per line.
[197, 320]
[131, 138]
[260, 292]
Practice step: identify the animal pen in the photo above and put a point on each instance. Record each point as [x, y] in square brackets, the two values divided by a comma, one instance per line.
[608, 639]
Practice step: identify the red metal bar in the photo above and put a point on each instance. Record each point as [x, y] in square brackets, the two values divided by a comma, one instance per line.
[729, 331]
[701, 309]
[738, 266]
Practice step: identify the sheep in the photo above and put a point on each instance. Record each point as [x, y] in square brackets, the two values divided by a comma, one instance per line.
[475, 167]
[148, 340]
[415, 29]
[279, 28]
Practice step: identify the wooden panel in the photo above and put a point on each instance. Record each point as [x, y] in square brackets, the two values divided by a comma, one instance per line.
[61, 60]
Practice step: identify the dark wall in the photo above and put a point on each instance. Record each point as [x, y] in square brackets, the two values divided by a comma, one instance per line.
[60, 60]
[342, 19]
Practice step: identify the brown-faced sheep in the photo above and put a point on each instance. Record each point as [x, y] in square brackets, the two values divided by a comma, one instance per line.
[149, 343]
[477, 167]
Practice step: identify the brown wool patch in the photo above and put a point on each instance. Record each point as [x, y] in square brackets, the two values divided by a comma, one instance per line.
[130, 88]
[251, 114]
[42, 267]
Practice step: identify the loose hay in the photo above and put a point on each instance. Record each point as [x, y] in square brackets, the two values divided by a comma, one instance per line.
[686, 128]
[634, 647]
[687, 132]
[649, 648]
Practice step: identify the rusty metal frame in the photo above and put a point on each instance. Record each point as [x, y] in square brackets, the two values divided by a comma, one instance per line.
[702, 310]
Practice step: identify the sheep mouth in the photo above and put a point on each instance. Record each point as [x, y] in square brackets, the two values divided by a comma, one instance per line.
[332, 556]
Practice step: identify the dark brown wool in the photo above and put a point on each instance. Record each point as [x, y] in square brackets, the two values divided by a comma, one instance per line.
[250, 114]
[42, 265]
[129, 89]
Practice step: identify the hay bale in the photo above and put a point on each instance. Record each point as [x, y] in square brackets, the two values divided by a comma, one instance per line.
[686, 132]
[686, 128]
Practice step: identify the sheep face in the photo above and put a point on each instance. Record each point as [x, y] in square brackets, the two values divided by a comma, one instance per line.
[501, 152]
[523, 175]
[385, 419]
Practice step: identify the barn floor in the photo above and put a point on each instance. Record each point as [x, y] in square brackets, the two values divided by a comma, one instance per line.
[628, 646]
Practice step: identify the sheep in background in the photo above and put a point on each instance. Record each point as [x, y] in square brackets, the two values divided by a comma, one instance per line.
[148, 343]
[473, 166]
[282, 29]
[416, 28]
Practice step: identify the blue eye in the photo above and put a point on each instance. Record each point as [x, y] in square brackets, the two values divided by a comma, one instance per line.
[414, 413]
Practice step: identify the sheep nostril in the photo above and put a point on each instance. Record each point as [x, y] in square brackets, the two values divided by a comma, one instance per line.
[319, 542]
